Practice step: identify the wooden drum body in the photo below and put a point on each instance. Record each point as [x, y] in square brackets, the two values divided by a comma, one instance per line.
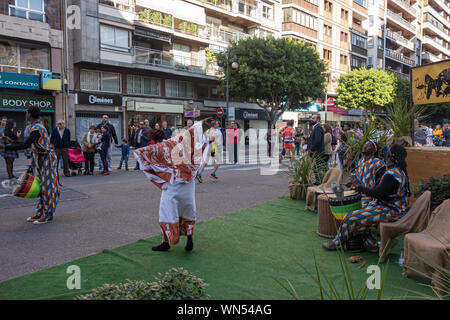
[326, 223]
[29, 187]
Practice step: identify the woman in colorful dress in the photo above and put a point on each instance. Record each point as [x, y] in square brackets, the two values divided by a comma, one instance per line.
[45, 163]
[370, 169]
[390, 204]
[288, 136]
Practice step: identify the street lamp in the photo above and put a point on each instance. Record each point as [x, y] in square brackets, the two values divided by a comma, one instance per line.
[234, 65]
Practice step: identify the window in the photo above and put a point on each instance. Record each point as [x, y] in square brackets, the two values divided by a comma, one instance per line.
[179, 89]
[344, 14]
[359, 41]
[371, 21]
[327, 30]
[344, 36]
[115, 39]
[326, 54]
[359, 63]
[28, 9]
[100, 81]
[182, 54]
[23, 58]
[267, 12]
[380, 63]
[370, 61]
[303, 19]
[380, 43]
[328, 6]
[357, 22]
[143, 85]
[343, 59]
[370, 42]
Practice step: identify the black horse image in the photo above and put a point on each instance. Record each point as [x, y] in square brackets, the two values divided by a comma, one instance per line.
[437, 84]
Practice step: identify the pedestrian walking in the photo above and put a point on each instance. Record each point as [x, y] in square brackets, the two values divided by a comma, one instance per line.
[60, 139]
[125, 148]
[288, 140]
[10, 135]
[215, 137]
[297, 140]
[316, 146]
[3, 125]
[327, 140]
[112, 136]
[44, 162]
[104, 151]
[89, 141]
[233, 141]
[140, 139]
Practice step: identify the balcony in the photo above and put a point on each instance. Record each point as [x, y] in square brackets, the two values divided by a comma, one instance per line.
[428, 56]
[164, 59]
[125, 5]
[405, 5]
[397, 37]
[397, 17]
[435, 27]
[220, 35]
[436, 15]
[399, 57]
[437, 44]
[399, 74]
[248, 9]
[156, 18]
[222, 4]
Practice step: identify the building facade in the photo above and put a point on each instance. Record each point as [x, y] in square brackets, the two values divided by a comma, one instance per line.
[31, 59]
[148, 59]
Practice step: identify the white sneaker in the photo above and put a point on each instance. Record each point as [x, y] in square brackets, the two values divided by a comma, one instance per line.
[40, 222]
[31, 219]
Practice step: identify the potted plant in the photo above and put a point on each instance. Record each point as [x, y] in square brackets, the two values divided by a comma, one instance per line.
[439, 188]
[301, 174]
[167, 20]
[155, 17]
[144, 15]
[400, 121]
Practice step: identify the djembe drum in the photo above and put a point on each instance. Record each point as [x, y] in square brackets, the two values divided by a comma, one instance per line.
[339, 208]
[326, 223]
[28, 187]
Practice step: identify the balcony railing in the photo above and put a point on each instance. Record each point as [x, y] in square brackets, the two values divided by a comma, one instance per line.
[429, 56]
[400, 74]
[399, 57]
[222, 4]
[167, 60]
[126, 5]
[398, 17]
[405, 4]
[396, 36]
[220, 35]
[437, 43]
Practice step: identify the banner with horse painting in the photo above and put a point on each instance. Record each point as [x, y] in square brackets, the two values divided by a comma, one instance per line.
[431, 83]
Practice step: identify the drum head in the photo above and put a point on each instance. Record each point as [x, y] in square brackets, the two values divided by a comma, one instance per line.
[18, 183]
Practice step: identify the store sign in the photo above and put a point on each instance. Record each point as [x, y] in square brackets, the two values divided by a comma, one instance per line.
[22, 103]
[250, 115]
[192, 114]
[431, 83]
[51, 81]
[153, 35]
[231, 113]
[337, 110]
[99, 99]
[19, 81]
[154, 107]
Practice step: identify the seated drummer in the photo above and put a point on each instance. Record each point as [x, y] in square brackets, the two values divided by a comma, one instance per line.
[369, 170]
[390, 204]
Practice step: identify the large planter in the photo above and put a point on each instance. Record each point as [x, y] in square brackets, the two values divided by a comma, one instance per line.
[297, 190]
[404, 141]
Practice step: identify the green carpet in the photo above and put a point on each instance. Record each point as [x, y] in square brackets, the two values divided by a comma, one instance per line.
[238, 255]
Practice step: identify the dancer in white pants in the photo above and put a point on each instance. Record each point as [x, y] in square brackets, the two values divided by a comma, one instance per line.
[172, 166]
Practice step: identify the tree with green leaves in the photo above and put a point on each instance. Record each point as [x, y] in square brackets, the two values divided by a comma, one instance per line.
[370, 90]
[277, 74]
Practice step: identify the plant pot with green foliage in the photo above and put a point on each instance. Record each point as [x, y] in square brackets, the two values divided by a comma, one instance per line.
[301, 176]
[400, 120]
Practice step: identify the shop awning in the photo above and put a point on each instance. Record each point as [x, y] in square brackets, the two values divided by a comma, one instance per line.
[154, 107]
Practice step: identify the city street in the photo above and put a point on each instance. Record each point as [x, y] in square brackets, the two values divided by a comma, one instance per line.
[103, 212]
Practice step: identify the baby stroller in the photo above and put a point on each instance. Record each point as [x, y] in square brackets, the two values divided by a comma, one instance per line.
[76, 158]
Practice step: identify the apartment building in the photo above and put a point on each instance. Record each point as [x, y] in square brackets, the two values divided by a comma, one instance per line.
[31, 59]
[149, 59]
[336, 29]
[407, 33]
[435, 31]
